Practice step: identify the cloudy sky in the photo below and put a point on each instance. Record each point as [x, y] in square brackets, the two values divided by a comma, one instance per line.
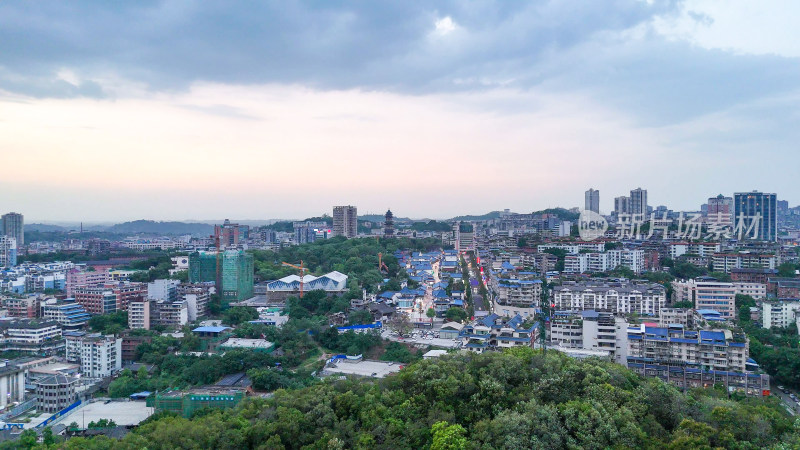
[200, 109]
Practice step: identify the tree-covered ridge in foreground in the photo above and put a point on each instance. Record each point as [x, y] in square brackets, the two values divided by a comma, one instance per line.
[517, 399]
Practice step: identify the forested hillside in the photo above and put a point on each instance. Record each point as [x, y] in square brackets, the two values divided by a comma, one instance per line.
[518, 399]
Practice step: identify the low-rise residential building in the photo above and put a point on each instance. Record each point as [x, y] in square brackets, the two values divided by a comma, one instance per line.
[784, 287]
[109, 297]
[130, 344]
[139, 314]
[691, 359]
[526, 293]
[780, 314]
[196, 296]
[707, 293]
[753, 275]
[99, 356]
[702, 249]
[591, 330]
[76, 277]
[41, 337]
[756, 290]
[604, 261]
[164, 290]
[144, 314]
[619, 297]
[726, 262]
[55, 392]
[496, 332]
[23, 307]
[68, 313]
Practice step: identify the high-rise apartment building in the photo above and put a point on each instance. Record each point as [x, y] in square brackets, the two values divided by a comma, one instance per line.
[231, 234]
[345, 221]
[720, 209]
[14, 226]
[8, 251]
[756, 210]
[236, 272]
[622, 205]
[639, 202]
[592, 201]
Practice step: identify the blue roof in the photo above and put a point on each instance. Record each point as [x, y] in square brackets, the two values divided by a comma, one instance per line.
[210, 329]
[656, 331]
[708, 312]
[439, 293]
[712, 335]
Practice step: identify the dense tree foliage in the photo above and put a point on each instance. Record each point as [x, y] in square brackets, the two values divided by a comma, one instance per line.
[456, 315]
[358, 258]
[112, 323]
[517, 399]
[238, 315]
[431, 225]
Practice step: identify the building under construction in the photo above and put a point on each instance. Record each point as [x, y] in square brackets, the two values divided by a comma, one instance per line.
[186, 403]
[235, 272]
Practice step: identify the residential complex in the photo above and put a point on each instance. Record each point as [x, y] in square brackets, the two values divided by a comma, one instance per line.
[694, 358]
[610, 296]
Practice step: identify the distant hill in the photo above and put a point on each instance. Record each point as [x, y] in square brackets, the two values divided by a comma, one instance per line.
[561, 213]
[45, 228]
[167, 228]
[381, 218]
[487, 216]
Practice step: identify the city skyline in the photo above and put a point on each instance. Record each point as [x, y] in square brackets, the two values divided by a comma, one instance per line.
[579, 204]
[398, 106]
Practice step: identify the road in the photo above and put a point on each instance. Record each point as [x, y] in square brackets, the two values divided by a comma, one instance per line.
[477, 299]
[793, 407]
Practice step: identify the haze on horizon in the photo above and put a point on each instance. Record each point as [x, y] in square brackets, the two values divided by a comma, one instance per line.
[173, 110]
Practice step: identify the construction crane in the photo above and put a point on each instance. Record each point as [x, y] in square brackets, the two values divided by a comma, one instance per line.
[381, 266]
[302, 270]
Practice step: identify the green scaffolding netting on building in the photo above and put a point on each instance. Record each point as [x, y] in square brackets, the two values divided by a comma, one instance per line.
[236, 272]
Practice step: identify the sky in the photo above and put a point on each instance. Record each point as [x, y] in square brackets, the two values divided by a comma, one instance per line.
[192, 109]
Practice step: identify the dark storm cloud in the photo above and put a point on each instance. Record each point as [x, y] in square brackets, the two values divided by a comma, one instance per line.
[562, 45]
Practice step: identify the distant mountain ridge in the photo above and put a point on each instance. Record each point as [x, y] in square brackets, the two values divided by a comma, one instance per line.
[169, 228]
[487, 216]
